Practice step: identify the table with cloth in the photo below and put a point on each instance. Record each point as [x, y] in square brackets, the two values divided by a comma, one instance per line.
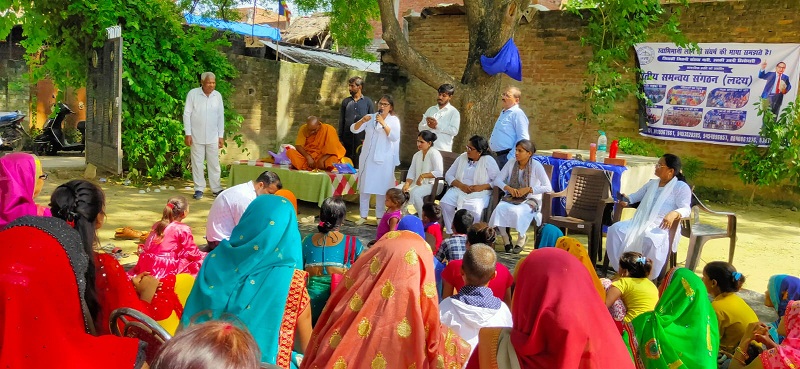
[311, 186]
[625, 179]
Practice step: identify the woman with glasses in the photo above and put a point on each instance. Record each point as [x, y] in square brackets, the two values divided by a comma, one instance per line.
[662, 202]
[380, 154]
[426, 165]
[21, 180]
[470, 178]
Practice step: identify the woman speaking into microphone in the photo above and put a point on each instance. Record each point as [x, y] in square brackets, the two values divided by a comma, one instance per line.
[380, 154]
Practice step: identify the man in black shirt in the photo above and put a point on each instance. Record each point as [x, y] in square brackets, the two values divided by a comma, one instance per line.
[353, 108]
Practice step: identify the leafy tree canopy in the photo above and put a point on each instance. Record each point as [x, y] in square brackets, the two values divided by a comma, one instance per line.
[162, 61]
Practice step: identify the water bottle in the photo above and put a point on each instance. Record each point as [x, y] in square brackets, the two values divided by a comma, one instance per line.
[602, 142]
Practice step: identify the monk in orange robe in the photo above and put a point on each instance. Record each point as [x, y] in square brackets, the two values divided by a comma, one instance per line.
[317, 146]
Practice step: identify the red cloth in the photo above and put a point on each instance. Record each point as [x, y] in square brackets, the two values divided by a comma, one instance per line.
[435, 230]
[115, 290]
[41, 318]
[559, 320]
[499, 285]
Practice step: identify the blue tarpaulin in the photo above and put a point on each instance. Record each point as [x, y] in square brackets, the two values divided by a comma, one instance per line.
[236, 27]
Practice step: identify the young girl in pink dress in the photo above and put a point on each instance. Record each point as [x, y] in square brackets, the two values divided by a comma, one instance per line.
[395, 202]
[170, 247]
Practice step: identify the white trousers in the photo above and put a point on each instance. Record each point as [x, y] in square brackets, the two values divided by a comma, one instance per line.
[655, 245]
[206, 153]
[363, 205]
[475, 206]
[417, 195]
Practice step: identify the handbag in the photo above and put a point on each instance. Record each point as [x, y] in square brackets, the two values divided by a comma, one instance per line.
[349, 259]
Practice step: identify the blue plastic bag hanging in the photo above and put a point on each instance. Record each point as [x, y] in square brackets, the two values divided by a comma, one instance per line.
[506, 61]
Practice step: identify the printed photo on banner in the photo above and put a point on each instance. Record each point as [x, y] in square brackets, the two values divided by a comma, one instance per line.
[721, 85]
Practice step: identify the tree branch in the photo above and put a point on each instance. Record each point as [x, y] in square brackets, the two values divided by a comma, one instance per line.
[404, 55]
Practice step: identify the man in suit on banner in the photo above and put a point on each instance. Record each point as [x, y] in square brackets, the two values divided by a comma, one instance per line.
[777, 85]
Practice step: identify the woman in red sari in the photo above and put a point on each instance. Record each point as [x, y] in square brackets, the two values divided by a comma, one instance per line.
[560, 322]
[44, 318]
[386, 309]
[81, 204]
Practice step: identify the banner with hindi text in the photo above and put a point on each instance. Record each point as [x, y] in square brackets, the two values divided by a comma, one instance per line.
[711, 95]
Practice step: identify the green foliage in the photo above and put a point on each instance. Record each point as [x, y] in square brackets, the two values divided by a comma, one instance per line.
[350, 22]
[635, 146]
[692, 166]
[614, 28]
[778, 162]
[162, 61]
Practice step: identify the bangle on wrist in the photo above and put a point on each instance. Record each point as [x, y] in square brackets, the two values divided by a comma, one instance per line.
[739, 350]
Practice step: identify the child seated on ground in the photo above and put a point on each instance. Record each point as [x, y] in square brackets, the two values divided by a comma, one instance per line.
[454, 247]
[475, 306]
[500, 284]
[395, 201]
[210, 345]
[638, 293]
[733, 314]
[169, 248]
[431, 213]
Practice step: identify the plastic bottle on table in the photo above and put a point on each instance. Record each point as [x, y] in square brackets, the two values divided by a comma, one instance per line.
[602, 142]
[593, 152]
[612, 152]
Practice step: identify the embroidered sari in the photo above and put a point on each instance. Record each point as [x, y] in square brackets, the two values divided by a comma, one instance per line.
[254, 277]
[787, 355]
[18, 173]
[44, 318]
[682, 331]
[386, 310]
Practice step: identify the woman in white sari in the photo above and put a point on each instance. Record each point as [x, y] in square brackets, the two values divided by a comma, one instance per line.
[380, 154]
[470, 178]
[426, 165]
[662, 202]
[524, 181]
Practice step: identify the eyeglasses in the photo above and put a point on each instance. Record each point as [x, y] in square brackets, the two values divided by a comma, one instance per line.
[470, 149]
[43, 176]
[384, 104]
[659, 165]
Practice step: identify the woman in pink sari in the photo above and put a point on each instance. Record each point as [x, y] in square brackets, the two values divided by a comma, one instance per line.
[21, 179]
[170, 248]
[783, 356]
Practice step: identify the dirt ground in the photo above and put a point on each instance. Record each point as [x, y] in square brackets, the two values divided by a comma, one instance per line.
[768, 238]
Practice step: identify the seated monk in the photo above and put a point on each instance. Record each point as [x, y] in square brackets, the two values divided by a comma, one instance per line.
[317, 146]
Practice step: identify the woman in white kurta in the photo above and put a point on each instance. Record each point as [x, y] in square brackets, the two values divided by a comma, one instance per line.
[662, 202]
[426, 165]
[380, 154]
[524, 181]
[470, 178]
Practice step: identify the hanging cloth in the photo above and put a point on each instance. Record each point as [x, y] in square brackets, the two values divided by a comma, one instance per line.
[506, 61]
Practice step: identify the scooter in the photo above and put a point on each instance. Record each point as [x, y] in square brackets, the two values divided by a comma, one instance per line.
[52, 139]
[12, 135]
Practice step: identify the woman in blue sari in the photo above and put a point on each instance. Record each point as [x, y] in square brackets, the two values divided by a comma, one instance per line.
[781, 289]
[254, 277]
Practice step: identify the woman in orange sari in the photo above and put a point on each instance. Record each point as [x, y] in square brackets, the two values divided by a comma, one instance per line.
[386, 309]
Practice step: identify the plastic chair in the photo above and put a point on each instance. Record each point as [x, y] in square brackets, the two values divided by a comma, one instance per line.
[699, 233]
[588, 193]
[448, 158]
[136, 324]
[497, 194]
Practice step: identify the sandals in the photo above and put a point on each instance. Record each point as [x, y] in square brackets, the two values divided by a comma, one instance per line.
[127, 233]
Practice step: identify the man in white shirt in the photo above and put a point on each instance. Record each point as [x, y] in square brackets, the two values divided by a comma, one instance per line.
[229, 206]
[442, 119]
[204, 126]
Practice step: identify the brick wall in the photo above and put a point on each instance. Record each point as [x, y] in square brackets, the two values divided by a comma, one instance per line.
[275, 98]
[554, 65]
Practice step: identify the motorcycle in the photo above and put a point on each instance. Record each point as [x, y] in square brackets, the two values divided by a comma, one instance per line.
[52, 139]
[12, 135]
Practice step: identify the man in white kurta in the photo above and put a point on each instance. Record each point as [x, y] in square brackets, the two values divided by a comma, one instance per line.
[442, 119]
[230, 205]
[204, 126]
[471, 173]
[380, 154]
[642, 233]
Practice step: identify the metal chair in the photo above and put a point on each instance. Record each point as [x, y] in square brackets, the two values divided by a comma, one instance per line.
[136, 324]
[588, 193]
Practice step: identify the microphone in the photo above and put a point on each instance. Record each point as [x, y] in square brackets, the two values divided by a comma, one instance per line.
[378, 124]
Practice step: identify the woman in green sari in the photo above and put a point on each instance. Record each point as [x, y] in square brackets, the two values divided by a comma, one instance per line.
[681, 332]
[254, 277]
